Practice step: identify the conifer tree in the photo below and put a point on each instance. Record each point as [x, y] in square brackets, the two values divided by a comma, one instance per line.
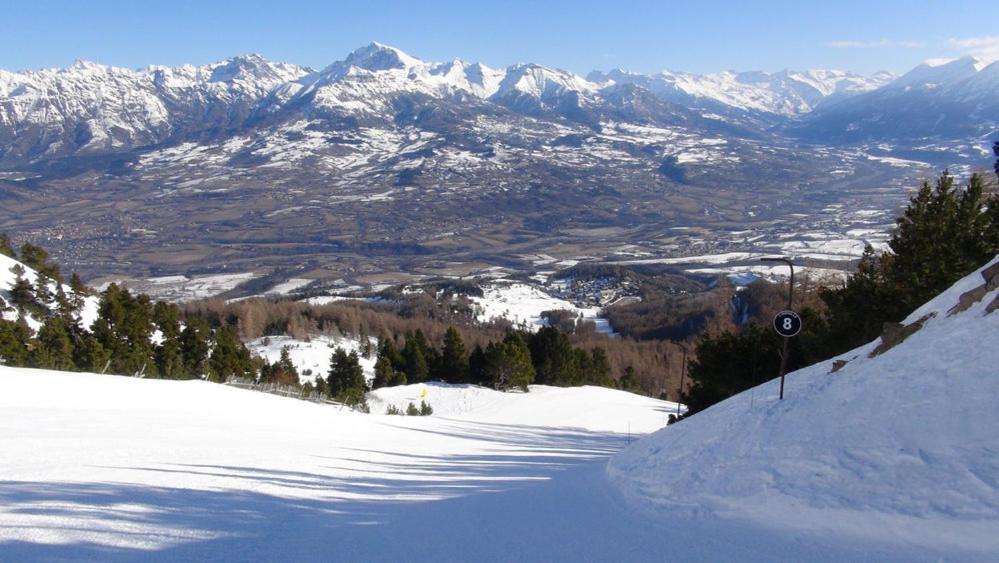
[454, 358]
[194, 346]
[15, 339]
[346, 378]
[508, 363]
[169, 359]
[22, 293]
[229, 358]
[6, 247]
[384, 373]
[284, 372]
[416, 366]
[54, 349]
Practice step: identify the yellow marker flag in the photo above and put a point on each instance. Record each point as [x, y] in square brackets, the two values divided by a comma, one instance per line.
[424, 392]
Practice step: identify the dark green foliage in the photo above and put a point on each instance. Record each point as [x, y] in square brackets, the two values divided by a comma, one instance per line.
[194, 346]
[508, 363]
[553, 358]
[54, 348]
[77, 286]
[415, 354]
[346, 378]
[454, 358]
[944, 234]
[425, 409]
[411, 410]
[22, 293]
[730, 363]
[123, 328]
[6, 247]
[15, 342]
[385, 374]
[229, 357]
[282, 372]
[36, 258]
[393, 410]
[169, 358]
[477, 365]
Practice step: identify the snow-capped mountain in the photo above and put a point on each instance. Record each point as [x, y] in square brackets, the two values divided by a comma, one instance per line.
[956, 99]
[786, 93]
[90, 108]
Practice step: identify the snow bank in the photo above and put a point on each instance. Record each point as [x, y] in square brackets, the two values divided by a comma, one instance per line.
[900, 448]
[592, 408]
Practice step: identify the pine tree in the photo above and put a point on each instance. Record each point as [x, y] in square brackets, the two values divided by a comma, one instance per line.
[346, 378]
[284, 372]
[417, 368]
[384, 373]
[194, 346]
[169, 359]
[553, 358]
[454, 358]
[229, 357]
[476, 366]
[508, 363]
[55, 348]
[6, 247]
[22, 293]
[15, 340]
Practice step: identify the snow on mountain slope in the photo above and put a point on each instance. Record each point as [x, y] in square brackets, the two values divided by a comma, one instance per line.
[784, 93]
[899, 448]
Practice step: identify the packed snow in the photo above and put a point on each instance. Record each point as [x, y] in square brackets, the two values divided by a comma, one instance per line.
[116, 468]
[894, 454]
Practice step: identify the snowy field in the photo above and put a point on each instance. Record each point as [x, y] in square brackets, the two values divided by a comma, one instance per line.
[522, 304]
[111, 468]
[311, 356]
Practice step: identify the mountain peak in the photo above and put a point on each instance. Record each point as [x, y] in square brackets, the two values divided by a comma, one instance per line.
[378, 56]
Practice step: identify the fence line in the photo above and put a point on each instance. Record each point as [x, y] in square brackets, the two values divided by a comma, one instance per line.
[289, 391]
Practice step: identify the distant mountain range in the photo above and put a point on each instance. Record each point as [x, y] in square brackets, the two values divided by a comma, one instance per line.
[383, 155]
[90, 108]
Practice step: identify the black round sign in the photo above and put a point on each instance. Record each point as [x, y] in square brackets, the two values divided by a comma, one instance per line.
[787, 323]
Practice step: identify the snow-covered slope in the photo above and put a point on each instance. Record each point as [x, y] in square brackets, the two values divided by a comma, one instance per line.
[115, 468]
[86, 314]
[895, 449]
[787, 92]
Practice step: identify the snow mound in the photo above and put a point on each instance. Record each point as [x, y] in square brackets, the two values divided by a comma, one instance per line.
[899, 447]
[593, 408]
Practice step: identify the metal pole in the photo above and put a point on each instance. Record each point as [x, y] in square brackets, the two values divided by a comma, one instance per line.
[790, 302]
[683, 371]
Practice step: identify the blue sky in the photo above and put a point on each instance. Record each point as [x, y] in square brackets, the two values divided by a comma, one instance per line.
[645, 36]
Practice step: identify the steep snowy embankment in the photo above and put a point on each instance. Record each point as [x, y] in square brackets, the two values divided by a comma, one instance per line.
[899, 449]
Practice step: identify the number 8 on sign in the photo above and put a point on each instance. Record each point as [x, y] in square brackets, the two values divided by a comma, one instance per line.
[787, 323]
